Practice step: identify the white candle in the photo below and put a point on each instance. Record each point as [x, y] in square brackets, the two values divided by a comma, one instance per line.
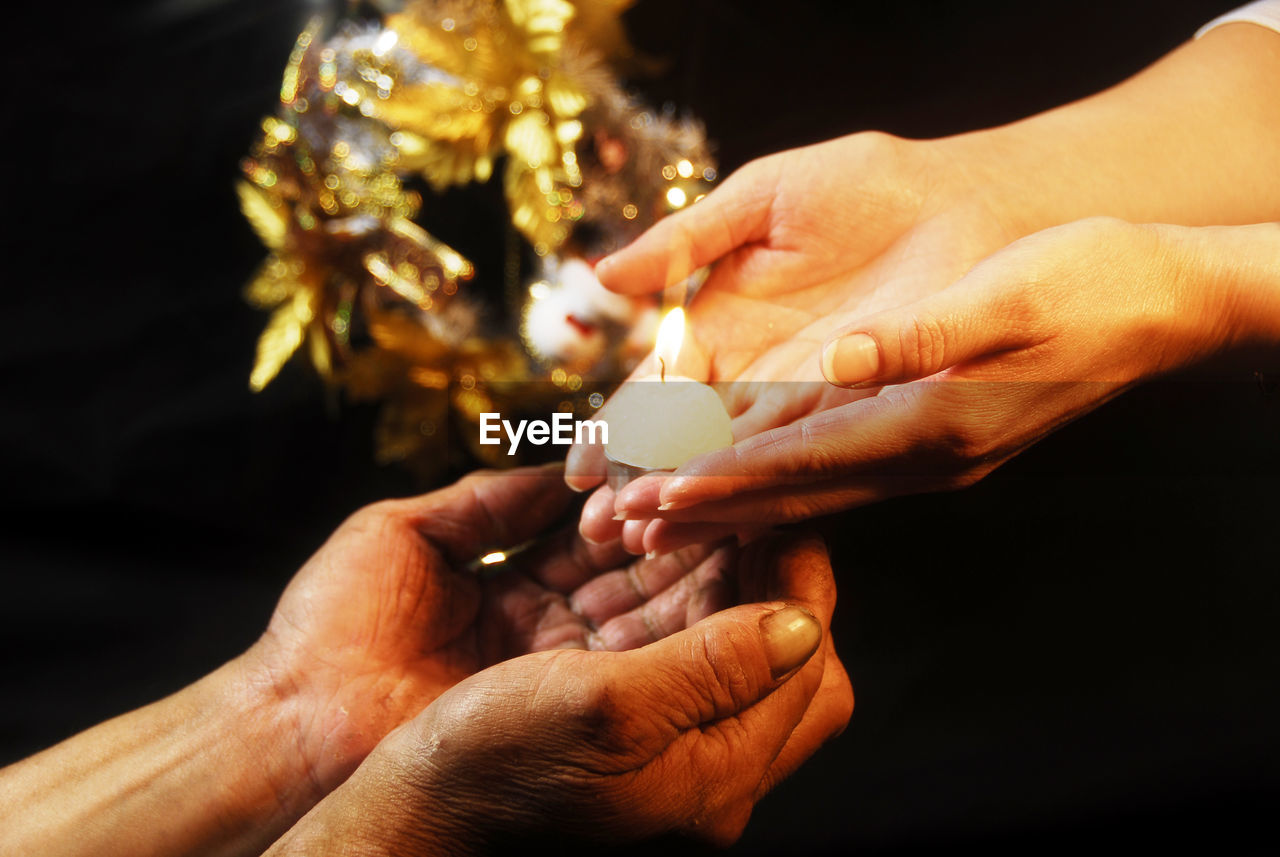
[661, 421]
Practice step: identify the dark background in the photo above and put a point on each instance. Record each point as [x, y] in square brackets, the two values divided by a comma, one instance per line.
[1079, 651]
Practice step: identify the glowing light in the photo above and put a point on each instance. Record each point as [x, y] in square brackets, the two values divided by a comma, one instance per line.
[629, 211]
[385, 42]
[668, 172]
[676, 198]
[493, 558]
[670, 337]
[685, 169]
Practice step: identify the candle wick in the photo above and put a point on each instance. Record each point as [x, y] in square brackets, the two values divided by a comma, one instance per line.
[663, 370]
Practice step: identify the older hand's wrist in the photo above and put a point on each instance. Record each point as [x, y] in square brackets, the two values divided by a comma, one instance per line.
[266, 708]
[412, 815]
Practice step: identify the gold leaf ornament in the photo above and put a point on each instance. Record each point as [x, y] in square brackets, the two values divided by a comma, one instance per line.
[543, 21]
[529, 138]
[282, 337]
[269, 219]
[272, 284]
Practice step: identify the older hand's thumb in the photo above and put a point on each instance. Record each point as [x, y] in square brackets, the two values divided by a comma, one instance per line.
[789, 636]
[731, 660]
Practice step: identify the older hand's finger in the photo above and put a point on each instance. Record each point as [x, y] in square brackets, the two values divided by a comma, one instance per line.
[662, 537]
[703, 590]
[490, 509]
[519, 629]
[633, 584]
[566, 561]
[633, 536]
[598, 523]
[800, 571]
[825, 718]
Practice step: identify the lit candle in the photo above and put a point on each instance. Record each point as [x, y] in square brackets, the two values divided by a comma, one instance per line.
[661, 421]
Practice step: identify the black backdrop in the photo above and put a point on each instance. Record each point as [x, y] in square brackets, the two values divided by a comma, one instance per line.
[1080, 649]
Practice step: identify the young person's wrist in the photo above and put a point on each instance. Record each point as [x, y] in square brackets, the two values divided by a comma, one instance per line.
[1238, 272]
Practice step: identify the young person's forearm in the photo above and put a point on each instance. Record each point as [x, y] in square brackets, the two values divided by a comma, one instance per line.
[207, 770]
[1193, 139]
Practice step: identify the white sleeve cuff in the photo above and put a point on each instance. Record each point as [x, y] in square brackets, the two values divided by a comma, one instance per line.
[1264, 13]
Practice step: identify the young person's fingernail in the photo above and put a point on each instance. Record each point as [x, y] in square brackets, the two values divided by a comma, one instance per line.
[851, 359]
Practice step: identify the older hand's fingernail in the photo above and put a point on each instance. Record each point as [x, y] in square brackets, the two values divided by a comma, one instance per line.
[791, 636]
[666, 507]
[851, 359]
[620, 516]
[651, 554]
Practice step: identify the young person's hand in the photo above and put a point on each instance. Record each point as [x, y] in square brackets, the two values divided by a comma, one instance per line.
[1033, 337]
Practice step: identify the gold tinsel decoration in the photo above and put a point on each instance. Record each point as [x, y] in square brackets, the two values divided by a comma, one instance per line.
[451, 92]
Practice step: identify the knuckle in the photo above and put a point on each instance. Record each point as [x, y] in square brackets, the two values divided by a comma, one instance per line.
[789, 508]
[725, 680]
[960, 444]
[962, 435]
[968, 477]
[923, 344]
[817, 456]
[879, 144]
[384, 513]
[786, 451]
[590, 703]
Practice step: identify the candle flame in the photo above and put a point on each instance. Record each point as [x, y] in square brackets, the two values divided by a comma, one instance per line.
[670, 336]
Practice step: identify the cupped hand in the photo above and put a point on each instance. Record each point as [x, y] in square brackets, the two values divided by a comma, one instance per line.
[391, 611]
[1032, 338]
[798, 240]
[684, 734]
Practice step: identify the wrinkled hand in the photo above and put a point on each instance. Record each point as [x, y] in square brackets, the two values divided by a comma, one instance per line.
[1032, 338]
[685, 734]
[385, 616]
[799, 239]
